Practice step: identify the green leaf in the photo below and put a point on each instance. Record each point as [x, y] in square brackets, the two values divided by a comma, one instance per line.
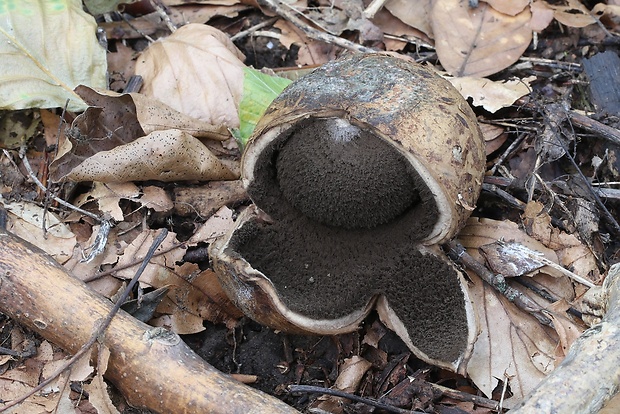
[47, 48]
[259, 90]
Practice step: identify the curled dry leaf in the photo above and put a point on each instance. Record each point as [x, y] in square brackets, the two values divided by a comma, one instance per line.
[154, 115]
[197, 71]
[492, 95]
[542, 15]
[415, 13]
[393, 26]
[107, 196]
[494, 137]
[150, 113]
[112, 122]
[311, 52]
[486, 41]
[115, 119]
[572, 13]
[162, 155]
[511, 8]
[568, 331]
[351, 373]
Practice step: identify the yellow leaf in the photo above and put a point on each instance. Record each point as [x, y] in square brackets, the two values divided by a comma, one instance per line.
[47, 48]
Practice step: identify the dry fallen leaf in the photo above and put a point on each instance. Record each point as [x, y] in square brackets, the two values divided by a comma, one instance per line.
[197, 296]
[26, 221]
[98, 388]
[415, 13]
[117, 119]
[154, 115]
[106, 285]
[512, 345]
[494, 136]
[542, 15]
[573, 254]
[41, 63]
[198, 71]
[512, 7]
[484, 41]
[481, 231]
[21, 379]
[392, 26]
[150, 114]
[201, 13]
[568, 331]
[216, 226]
[492, 95]
[311, 52]
[572, 13]
[170, 155]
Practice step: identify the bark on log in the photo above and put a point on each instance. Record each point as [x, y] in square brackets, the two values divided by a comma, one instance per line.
[589, 376]
[161, 374]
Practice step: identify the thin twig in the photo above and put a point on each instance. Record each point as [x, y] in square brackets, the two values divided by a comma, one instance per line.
[611, 221]
[373, 8]
[538, 257]
[458, 253]
[100, 330]
[254, 28]
[509, 151]
[33, 177]
[285, 11]
[137, 30]
[337, 393]
[164, 16]
[552, 63]
[464, 396]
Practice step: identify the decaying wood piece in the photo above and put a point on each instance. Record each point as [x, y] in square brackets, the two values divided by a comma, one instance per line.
[589, 376]
[603, 72]
[154, 371]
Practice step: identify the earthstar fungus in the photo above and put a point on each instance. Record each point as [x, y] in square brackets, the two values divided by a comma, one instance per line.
[358, 171]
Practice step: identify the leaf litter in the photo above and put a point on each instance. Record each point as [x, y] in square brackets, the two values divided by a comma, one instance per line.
[193, 89]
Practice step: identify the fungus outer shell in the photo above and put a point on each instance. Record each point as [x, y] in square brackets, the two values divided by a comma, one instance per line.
[256, 296]
[422, 117]
[405, 104]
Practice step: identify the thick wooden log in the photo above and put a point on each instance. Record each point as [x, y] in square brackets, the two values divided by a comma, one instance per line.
[154, 371]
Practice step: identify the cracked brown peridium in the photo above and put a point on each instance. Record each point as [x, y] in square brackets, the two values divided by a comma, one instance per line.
[358, 171]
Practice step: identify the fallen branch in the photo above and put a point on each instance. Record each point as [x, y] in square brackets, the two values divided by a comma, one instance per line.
[589, 376]
[152, 370]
